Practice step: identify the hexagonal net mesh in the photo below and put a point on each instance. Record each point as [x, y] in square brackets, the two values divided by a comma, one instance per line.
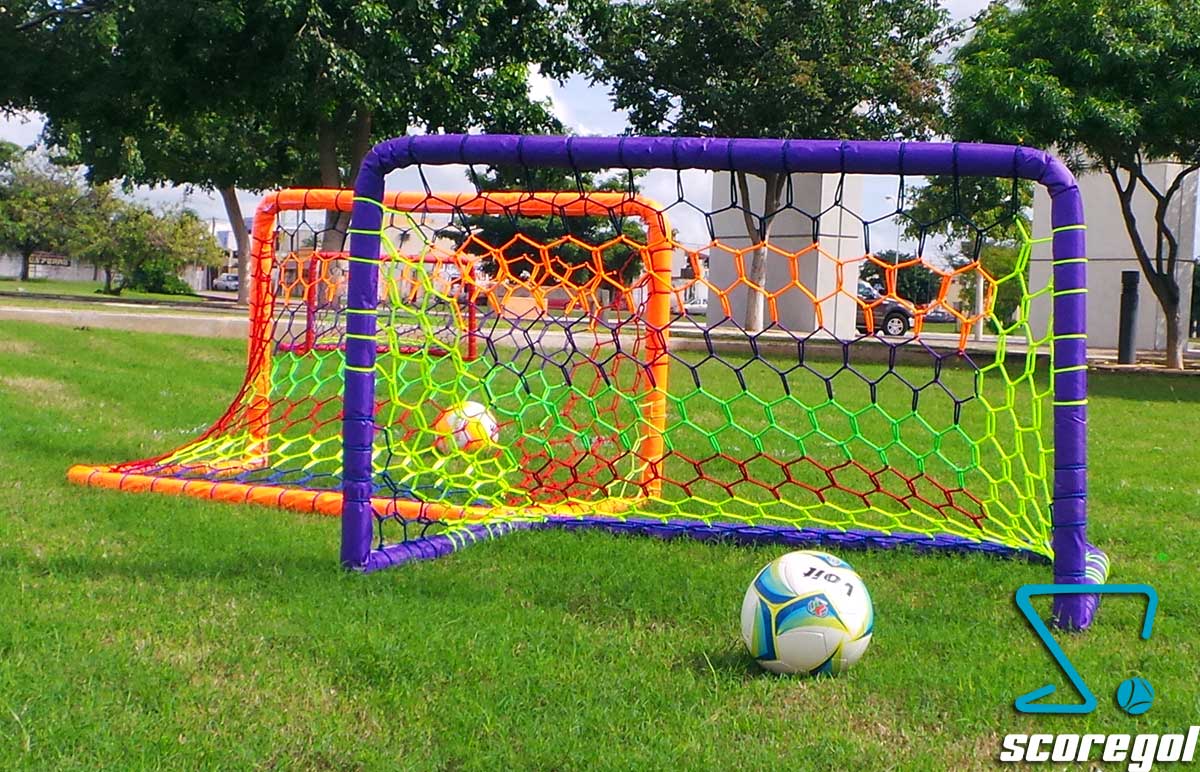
[797, 341]
[279, 442]
[633, 385]
[803, 342]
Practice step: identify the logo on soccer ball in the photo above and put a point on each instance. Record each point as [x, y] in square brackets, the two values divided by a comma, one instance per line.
[818, 607]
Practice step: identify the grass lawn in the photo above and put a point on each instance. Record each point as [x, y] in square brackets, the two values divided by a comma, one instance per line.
[155, 632]
[86, 289]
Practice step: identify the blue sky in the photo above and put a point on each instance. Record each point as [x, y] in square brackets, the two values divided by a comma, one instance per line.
[584, 108]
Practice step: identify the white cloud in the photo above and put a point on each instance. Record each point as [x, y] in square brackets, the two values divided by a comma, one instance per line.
[960, 9]
[22, 128]
[543, 89]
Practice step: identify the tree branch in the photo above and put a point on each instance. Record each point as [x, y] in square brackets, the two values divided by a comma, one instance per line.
[1125, 193]
[753, 231]
[1172, 189]
[82, 9]
[1164, 230]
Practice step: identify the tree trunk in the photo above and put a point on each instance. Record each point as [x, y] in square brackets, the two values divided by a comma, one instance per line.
[108, 280]
[1159, 273]
[1166, 292]
[756, 300]
[332, 239]
[233, 210]
[360, 143]
[759, 232]
[1176, 339]
[338, 223]
[25, 255]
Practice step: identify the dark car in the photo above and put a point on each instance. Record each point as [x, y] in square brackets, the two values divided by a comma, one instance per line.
[939, 314]
[891, 318]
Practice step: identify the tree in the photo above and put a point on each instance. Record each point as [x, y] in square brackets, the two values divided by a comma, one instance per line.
[93, 237]
[242, 93]
[146, 250]
[770, 68]
[36, 202]
[160, 245]
[142, 94]
[984, 219]
[621, 262]
[1113, 86]
[915, 283]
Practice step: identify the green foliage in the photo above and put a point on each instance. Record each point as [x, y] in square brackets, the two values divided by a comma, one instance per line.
[981, 218]
[10, 153]
[1112, 79]
[568, 260]
[970, 209]
[137, 248]
[771, 68]
[1112, 85]
[262, 94]
[915, 283]
[36, 199]
[1003, 263]
[253, 95]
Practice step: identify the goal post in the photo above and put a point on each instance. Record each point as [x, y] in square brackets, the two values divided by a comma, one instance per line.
[1013, 488]
[278, 443]
[751, 340]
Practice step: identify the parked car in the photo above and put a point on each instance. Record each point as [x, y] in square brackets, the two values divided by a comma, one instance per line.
[891, 318]
[939, 314]
[226, 282]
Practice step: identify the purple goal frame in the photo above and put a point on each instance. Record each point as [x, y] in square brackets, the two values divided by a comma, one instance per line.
[1072, 552]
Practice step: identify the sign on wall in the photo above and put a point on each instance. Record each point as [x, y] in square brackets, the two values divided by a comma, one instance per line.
[49, 258]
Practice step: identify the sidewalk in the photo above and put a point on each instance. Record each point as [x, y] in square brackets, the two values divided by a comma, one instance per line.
[225, 323]
[203, 324]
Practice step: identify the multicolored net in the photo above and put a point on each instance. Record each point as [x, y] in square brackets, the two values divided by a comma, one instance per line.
[602, 315]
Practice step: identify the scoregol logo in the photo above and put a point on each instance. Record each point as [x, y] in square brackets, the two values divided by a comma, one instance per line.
[1138, 752]
[1134, 695]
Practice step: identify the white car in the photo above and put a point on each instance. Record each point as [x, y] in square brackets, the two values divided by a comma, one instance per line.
[226, 282]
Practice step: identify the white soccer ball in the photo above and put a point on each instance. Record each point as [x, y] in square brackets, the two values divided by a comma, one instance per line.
[807, 612]
[467, 426]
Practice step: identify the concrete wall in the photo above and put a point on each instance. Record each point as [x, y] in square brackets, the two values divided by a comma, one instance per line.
[1110, 251]
[840, 237]
[10, 268]
[196, 277]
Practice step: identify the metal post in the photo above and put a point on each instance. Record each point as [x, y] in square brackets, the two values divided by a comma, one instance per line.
[1127, 329]
[979, 326]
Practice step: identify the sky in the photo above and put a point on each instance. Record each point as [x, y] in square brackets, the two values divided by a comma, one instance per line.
[583, 108]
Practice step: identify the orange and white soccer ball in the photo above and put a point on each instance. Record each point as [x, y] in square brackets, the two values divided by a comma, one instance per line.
[467, 426]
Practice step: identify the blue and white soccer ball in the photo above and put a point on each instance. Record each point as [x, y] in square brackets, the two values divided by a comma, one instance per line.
[807, 612]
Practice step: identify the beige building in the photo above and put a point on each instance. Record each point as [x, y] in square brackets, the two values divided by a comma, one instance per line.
[841, 238]
[1110, 252]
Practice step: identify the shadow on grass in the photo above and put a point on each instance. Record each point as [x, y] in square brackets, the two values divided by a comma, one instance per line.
[728, 664]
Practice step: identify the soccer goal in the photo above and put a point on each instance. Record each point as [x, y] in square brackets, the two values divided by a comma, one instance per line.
[802, 342]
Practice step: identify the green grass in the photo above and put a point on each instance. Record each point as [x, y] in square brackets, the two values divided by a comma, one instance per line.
[153, 632]
[86, 289]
